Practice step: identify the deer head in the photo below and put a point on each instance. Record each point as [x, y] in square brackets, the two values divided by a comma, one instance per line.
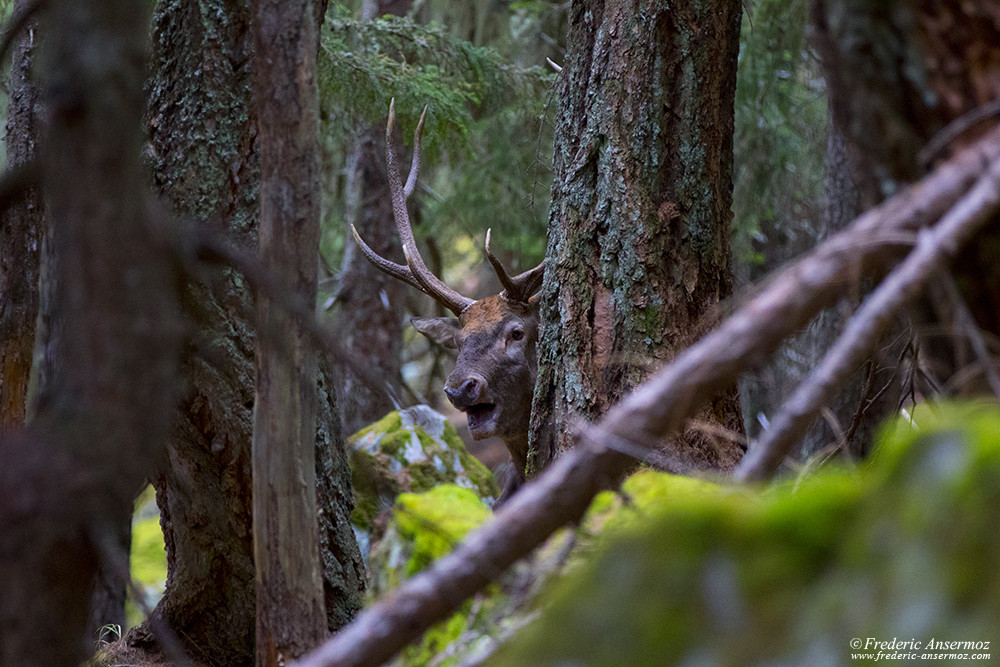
[494, 376]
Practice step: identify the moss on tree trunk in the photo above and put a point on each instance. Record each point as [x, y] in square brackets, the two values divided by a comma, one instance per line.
[638, 254]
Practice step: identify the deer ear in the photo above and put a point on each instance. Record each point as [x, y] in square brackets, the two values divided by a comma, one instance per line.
[442, 330]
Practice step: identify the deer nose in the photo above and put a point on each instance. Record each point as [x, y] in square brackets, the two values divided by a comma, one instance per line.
[466, 394]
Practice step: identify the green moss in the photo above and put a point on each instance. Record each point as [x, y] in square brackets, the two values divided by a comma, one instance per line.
[373, 486]
[438, 637]
[690, 572]
[436, 521]
[388, 424]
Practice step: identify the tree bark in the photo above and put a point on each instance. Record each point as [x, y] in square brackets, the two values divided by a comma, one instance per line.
[69, 480]
[21, 240]
[290, 609]
[638, 246]
[204, 158]
[369, 302]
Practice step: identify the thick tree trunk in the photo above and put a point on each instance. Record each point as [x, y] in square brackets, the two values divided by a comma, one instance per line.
[639, 227]
[930, 87]
[68, 483]
[291, 617]
[20, 238]
[205, 163]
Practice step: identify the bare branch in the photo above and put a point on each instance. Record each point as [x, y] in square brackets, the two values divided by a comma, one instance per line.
[562, 493]
[935, 247]
[964, 320]
[211, 248]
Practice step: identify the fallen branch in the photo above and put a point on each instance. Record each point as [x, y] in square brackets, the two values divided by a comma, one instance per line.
[934, 249]
[562, 493]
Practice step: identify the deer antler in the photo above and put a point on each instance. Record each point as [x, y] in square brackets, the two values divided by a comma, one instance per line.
[415, 272]
[521, 286]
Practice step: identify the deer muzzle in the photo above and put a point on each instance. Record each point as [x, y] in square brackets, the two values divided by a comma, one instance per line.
[469, 394]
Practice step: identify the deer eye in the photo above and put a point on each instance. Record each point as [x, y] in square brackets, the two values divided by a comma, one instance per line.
[517, 334]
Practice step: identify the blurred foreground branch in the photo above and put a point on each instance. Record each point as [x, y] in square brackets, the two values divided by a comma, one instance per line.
[935, 247]
[656, 409]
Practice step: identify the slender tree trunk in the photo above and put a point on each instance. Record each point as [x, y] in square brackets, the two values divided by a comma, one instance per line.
[290, 610]
[20, 237]
[68, 482]
[370, 302]
[639, 226]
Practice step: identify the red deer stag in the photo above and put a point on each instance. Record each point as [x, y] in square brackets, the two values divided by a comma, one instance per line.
[494, 376]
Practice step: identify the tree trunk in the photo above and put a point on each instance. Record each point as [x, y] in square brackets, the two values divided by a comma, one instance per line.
[638, 235]
[291, 617]
[20, 238]
[370, 302]
[68, 482]
[205, 165]
[936, 67]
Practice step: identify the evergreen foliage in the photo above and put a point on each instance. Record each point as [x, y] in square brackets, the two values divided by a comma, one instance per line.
[780, 136]
[485, 150]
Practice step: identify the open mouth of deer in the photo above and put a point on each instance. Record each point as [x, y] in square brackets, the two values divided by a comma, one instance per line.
[482, 419]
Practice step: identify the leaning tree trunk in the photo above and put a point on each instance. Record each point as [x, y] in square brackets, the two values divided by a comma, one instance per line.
[20, 237]
[638, 252]
[931, 86]
[205, 165]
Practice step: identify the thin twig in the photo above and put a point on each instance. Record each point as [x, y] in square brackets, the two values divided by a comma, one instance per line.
[964, 320]
[936, 246]
[561, 494]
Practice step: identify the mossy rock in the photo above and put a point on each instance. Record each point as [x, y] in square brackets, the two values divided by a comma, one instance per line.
[697, 574]
[423, 528]
[408, 451]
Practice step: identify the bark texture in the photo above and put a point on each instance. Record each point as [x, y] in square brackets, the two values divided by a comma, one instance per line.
[204, 158]
[20, 237]
[290, 609]
[68, 482]
[638, 252]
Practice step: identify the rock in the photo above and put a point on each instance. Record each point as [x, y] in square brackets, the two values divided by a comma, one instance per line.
[408, 451]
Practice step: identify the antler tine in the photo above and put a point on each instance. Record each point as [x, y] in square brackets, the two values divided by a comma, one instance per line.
[411, 180]
[424, 279]
[531, 280]
[386, 266]
[521, 286]
[512, 289]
